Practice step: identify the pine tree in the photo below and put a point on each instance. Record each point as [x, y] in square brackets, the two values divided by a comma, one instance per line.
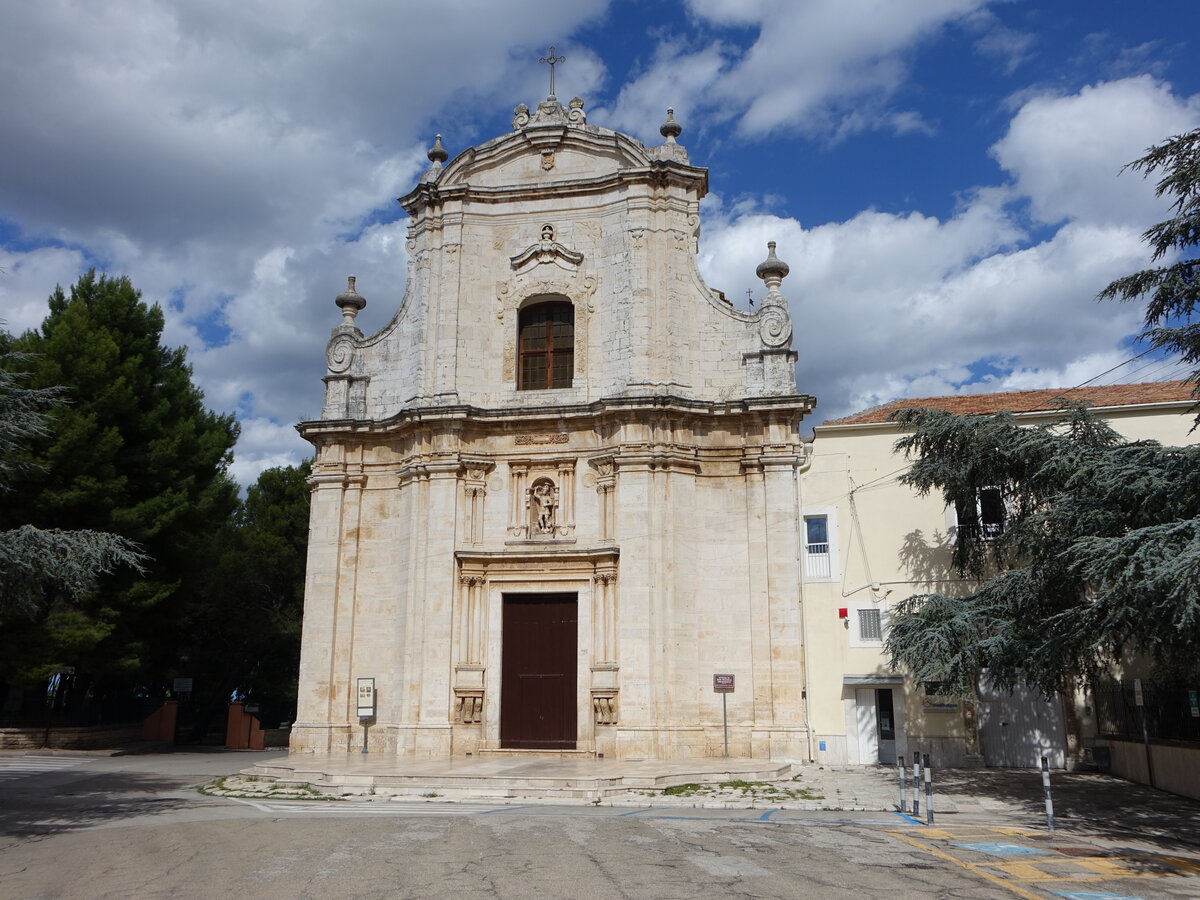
[1173, 290]
[1099, 558]
[1101, 553]
[248, 644]
[39, 567]
[132, 451]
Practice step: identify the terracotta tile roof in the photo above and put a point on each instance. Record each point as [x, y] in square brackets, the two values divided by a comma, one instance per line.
[1029, 401]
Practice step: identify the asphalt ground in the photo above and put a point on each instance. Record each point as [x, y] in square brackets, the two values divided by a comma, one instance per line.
[137, 826]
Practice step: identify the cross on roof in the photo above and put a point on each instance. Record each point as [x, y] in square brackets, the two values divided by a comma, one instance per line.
[749, 296]
[551, 59]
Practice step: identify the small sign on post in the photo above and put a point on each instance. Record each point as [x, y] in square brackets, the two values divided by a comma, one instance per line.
[182, 686]
[723, 685]
[366, 698]
[366, 705]
[1140, 701]
[1194, 703]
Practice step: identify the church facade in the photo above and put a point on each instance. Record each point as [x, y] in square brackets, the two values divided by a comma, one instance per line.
[559, 491]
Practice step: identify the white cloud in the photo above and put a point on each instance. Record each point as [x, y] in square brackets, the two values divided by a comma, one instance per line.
[238, 160]
[908, 305]
[816, 68]
[27, 279]
[1065, 152]
[996, 40]
[220, 153]
[263, 445]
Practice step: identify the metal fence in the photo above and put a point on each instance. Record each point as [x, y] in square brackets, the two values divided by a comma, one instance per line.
[1168, 711]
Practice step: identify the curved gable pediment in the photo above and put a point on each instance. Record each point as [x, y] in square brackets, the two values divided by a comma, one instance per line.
[545, 155]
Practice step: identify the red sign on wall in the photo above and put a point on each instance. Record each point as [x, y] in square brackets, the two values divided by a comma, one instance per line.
[722, 684]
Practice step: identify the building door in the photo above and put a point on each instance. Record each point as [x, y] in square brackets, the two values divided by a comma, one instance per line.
[1017, 728]
[876, 718]
[887, 726]
[538, 677]
[868, 726]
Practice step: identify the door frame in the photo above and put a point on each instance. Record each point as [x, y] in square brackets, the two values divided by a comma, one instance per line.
[851, 686]
[570, 734]
[565, 575]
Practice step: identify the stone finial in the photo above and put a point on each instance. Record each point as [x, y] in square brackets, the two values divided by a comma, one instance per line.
[670, 129]
[437, 153]
[772, 270]
[350, 302]
[575, 113]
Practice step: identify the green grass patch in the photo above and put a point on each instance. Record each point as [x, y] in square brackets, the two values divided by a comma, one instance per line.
[682, 790]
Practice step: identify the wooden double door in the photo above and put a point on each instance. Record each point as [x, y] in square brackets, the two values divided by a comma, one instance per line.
[538, 693]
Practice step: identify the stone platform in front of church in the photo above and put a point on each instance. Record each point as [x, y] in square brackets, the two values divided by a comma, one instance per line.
[515, 776]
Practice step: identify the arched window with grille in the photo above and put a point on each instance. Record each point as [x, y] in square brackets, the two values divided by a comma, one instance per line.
[546, 345]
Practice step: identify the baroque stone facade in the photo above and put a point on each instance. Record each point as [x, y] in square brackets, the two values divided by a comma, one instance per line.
[559, 490]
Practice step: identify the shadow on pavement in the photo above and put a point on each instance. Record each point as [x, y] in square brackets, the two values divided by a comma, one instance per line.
[1083, 802]
[43, 806]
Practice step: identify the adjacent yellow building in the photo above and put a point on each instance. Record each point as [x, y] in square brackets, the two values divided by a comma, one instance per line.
[871, 542]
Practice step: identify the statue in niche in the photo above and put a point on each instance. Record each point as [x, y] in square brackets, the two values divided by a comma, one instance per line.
[543, 501]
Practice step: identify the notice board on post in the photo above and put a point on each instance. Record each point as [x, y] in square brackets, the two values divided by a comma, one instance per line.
[723, 684]
[366, 698]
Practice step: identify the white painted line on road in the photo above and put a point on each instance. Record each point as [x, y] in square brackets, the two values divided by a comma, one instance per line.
[385, 808]
[14, 767]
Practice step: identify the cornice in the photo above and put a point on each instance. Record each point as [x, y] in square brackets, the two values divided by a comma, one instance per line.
[796, 405]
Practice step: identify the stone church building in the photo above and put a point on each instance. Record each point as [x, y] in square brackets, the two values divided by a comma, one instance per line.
[559, 491]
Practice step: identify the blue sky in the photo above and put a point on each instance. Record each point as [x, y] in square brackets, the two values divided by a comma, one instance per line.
[942, 176]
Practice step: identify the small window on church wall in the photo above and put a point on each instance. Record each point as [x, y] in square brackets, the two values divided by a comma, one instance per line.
[546, 346]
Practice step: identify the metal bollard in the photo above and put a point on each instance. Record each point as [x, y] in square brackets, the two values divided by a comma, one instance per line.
[916, 785]
[928, 791]
[1046, 789]
[903, 786]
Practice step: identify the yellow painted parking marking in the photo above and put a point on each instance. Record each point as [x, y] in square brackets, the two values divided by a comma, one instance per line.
[1107, 866]
[1099, 868]
[1191, 866]
[1020, 871]
[1022, 832]
[1012, 874]
[1007, 885]
[941, 834]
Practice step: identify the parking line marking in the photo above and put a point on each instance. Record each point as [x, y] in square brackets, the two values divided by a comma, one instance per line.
[941, 854]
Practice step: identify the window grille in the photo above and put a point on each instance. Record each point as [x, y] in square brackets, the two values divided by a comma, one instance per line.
[870, 625]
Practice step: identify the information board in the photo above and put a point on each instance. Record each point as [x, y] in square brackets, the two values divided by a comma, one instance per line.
[722, 684]
[366, 698]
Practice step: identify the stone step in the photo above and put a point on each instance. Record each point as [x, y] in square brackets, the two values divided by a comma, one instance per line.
[505, 752]
[356, 779]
